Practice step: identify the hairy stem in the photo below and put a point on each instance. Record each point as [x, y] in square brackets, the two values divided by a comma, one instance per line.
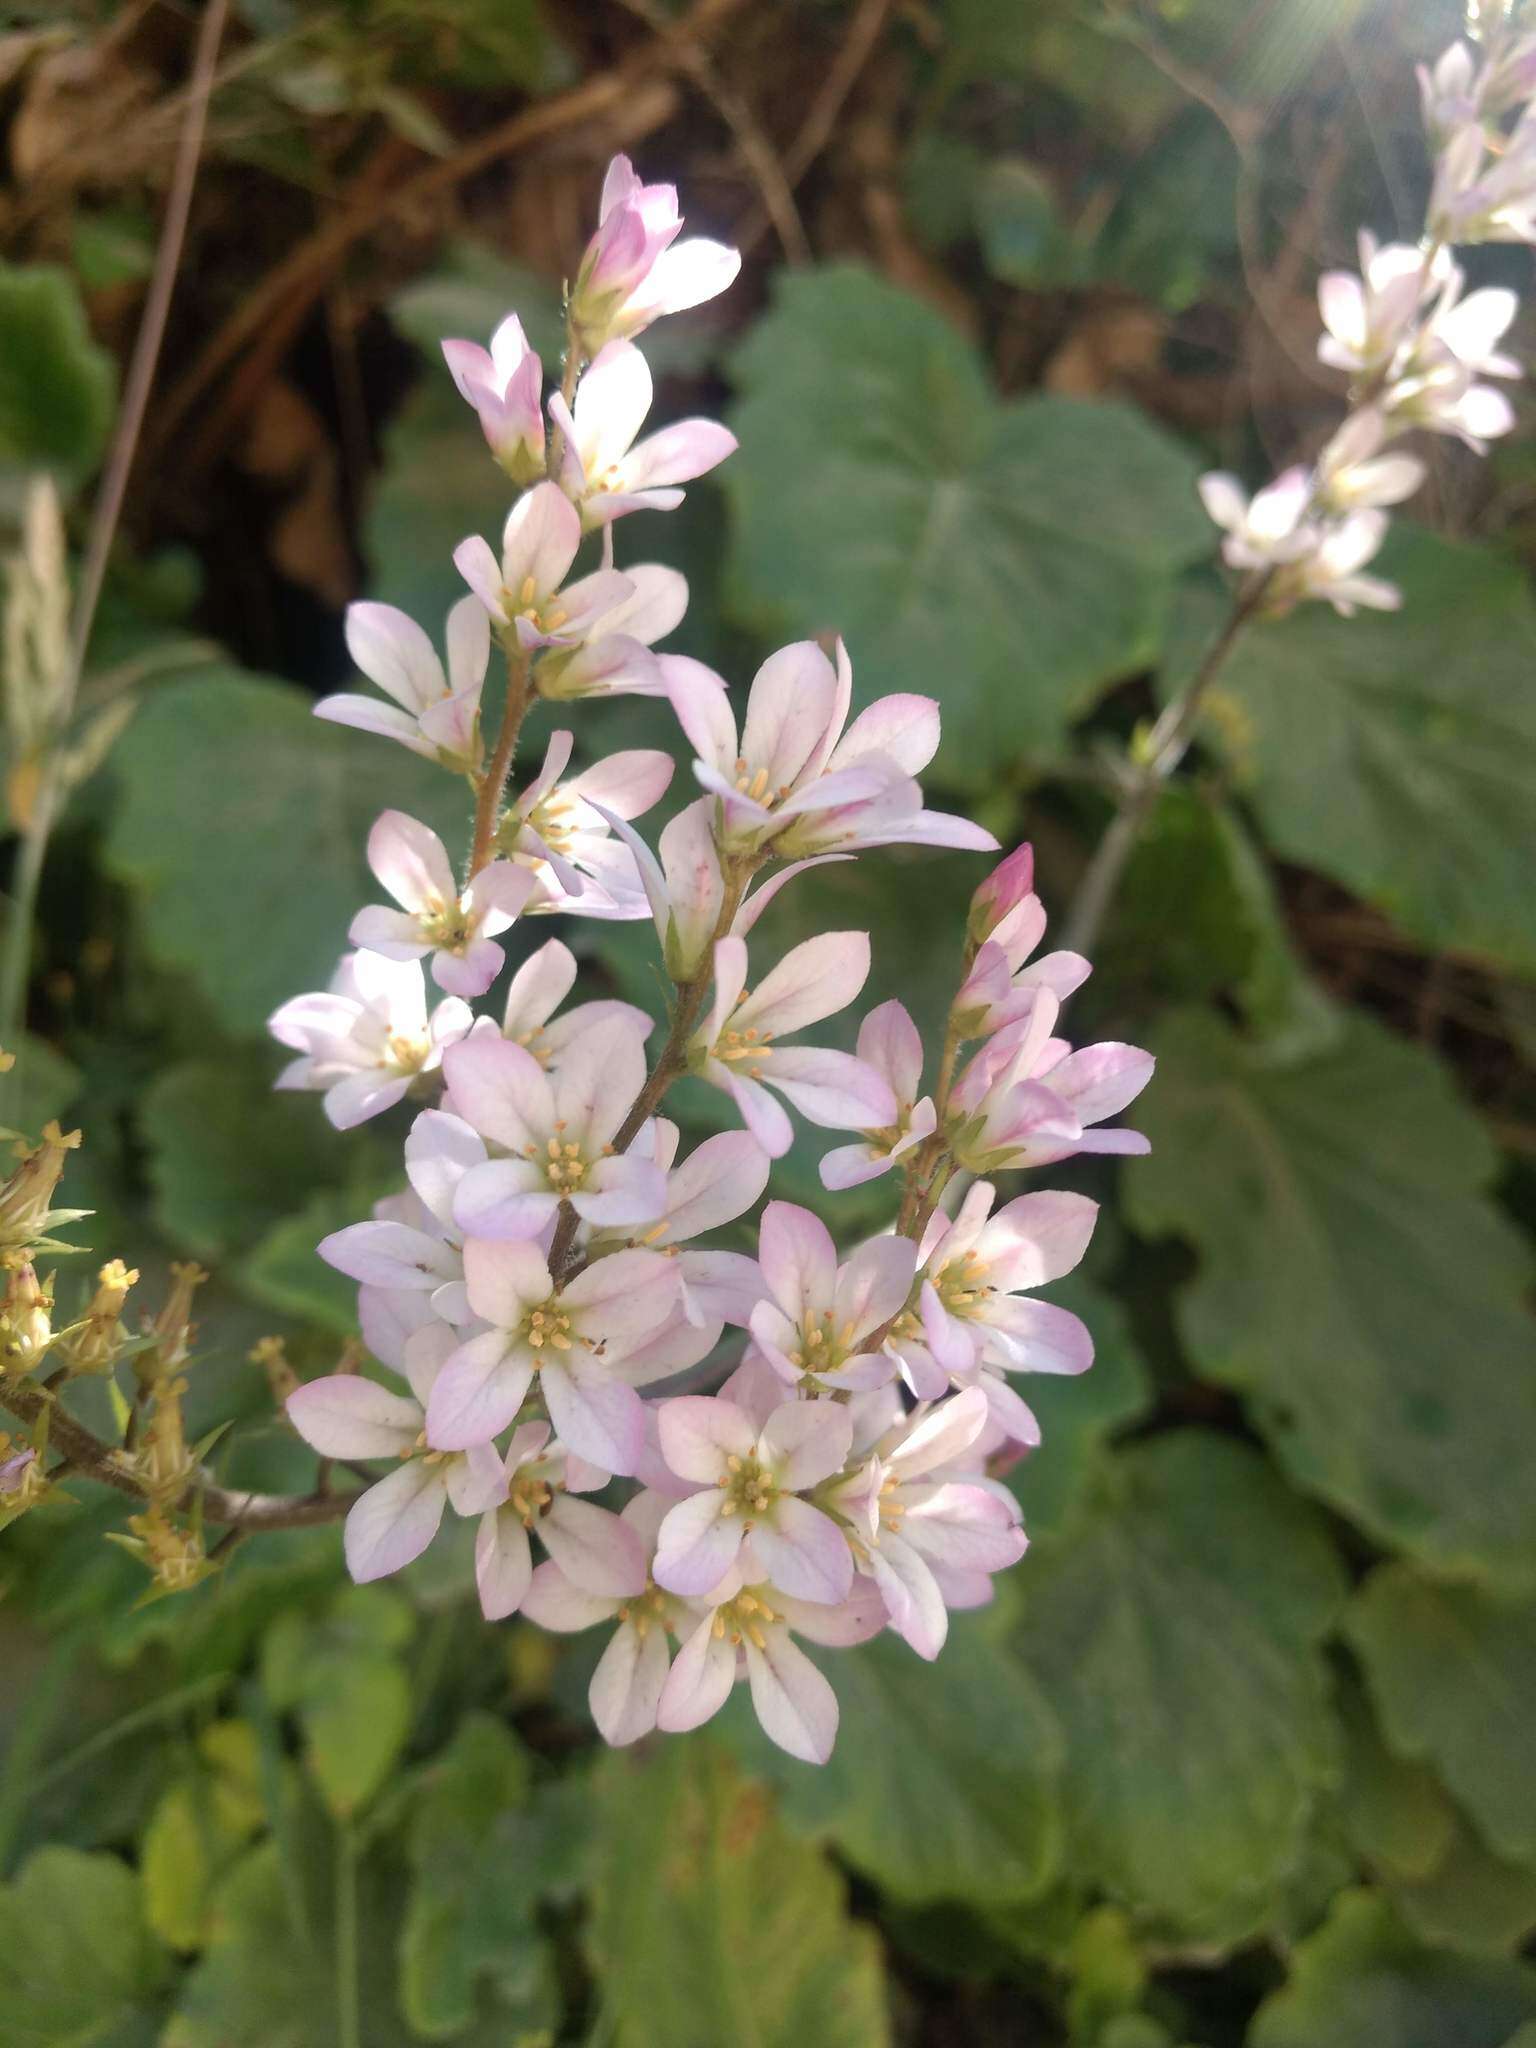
[1164, 748]
[93, 1459]
[493, 783]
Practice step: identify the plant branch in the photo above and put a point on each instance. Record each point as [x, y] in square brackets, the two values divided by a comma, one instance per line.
[93, 1459]
[493, 782]
[1157, 758]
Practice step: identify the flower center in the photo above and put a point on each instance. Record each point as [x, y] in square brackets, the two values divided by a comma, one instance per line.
[448, 927]
[554, 821]
[756, 787]
[551, 1326]
[747, 1615]
[647, 1610]
[544, 613]
[749, 1489]
[823, 1346]
[529, 1497]
[561, 1163]
[960, 1282]
[404, 1054]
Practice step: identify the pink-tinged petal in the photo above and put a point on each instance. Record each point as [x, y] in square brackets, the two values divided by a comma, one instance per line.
[719, 1181]
[854, 1620]
[805, 1442]
[860, 1374]
[597, 1417]
[439, 1150]
[394, 652]
[703, 708]
[627, 1684]
[890, 1043]
[759, 1112]
[621, 1193]
[477, 564]
[587, 602]
[760, 898]
[937, 828]
[628, 783]
[874, 1284]
[920, 1370]
[394, 933]
[1098, 1080]
[944, 1434]
[965, 1528]
[346, 1416]
[911, 1595]
[539, 541]
[594, 1548]
[814, 980]
[850, 1166]
[949, 1340]
[409, 860]
[361, 1096]
[798, 1260]
[700, 1681]
[694, 888]
[315, 1023]
[721, 1287]
[388, 1318]
[1037, 1238]
[803, 1551]
[538, 988]
[1035, 1336]
[503, 1200]
[555, 1602]
[390, 1255]
[468, 636]
[788, 712]
[501, 1090]
[503, 1563]
[775, 1339]
[470, 973]
[681, 277]
[834, 1090]
[506, 1281]
[478, 1392]
[903, 729]
[449, 726]
[612, 401]
[794, 1703]
[476, 1481]
[1010, 1413]
[697, 1545]
[367, 714]
[473, 370]
[699, 1433]
[600, 1075]
[392, 1523]
[623, 1297]
[676, 455]
[502, 889]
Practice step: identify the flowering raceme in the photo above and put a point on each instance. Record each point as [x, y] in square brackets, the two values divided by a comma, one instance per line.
[810, 1438]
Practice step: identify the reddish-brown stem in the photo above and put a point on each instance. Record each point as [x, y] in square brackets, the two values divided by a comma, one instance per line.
[493, 782]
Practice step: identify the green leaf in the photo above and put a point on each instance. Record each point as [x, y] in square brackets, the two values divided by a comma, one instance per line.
[227, 1155]
[1471, 1899]
[1364, 1979]
[710, 1924]
[249, 879]
[482, 1857]
[1013, 559]
[1174, 1630]
[349, 1687]
[1347, 1257]
[944, 1780]
[287, 1273]
[41, 1085]
[1396, 752]
[1078, 1416]
[76, 1959]
[57, 385]
[1453, 1673]
[464, 297]
[198, 1824]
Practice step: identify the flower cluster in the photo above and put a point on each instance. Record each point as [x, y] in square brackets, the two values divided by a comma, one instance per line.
[1416, 344]
[811, 1441]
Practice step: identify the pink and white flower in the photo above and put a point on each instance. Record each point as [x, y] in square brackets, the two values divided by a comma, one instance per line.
[635, 270]
[736, 1049]
[601, 469]
[367, 1038]
[562, 830]
[615, 659]
[1268, 530]
[930, 1532]
[890, 1045]
[436, 715]
[748, 1632]
[572, 1338]
[526, 592]
[999, 988]
[1027, 1099]
[822, 1324]
[554, 1133]
[535, 994]
[753, 1472]
[505, 385]
[975, 1318]
[392, 1522]
[1371, 316]
[596, 1550]
[626, 1687]
[456, 927]
[793, 779]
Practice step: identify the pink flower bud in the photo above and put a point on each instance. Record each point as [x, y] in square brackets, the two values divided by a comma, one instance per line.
[1003, 890]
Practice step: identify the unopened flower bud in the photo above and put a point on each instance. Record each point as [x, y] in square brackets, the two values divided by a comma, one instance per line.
[1004, 889]
[173, 1329]
[174, 1555]
[26, 1199]
[167, 1466]
[26, 1320]
[93, 1345]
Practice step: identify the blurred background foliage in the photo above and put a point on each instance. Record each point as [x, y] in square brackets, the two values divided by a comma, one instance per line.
[1243, 1754]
